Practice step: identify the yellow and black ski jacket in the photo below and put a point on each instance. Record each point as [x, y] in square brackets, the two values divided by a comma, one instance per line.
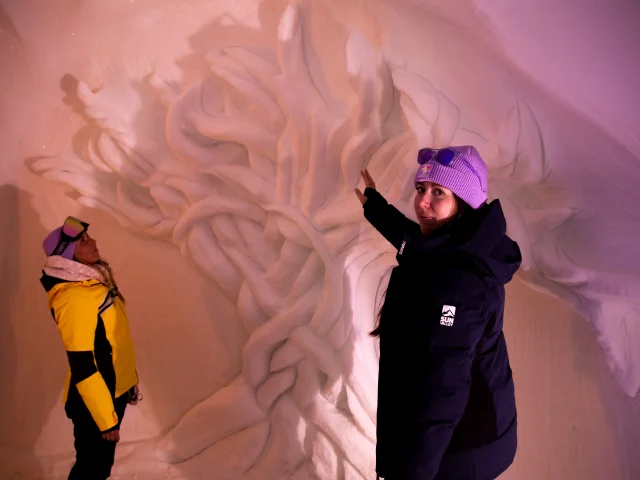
[93, 324]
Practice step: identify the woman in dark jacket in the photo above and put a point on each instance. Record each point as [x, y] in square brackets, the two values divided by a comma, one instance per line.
[446, 403]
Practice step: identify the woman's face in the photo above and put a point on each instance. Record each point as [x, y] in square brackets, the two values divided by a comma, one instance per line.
[435, 206]
[86, 250]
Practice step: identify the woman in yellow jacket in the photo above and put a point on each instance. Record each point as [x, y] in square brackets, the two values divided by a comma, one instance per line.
[90, 314]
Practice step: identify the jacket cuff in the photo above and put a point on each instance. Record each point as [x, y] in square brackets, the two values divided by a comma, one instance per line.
[372, 193]
[115, 427]
[374, 200]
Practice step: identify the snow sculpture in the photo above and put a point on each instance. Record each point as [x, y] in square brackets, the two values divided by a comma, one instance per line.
[252, 176]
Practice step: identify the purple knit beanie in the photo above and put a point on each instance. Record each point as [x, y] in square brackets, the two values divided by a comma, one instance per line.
[460, 169]
[52, 240]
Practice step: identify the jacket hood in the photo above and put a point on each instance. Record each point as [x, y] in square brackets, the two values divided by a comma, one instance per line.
[479, 234]
[58, 269]
[48, 282]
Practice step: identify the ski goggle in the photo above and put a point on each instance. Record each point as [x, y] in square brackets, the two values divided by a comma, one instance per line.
[72, 230]
[443, 156]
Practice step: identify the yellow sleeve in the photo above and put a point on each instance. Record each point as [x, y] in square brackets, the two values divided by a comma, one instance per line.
[76, 313]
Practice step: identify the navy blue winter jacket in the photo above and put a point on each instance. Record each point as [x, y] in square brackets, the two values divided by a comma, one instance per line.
[445, 389]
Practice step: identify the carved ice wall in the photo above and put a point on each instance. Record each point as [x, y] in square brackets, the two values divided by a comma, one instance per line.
[251, 174]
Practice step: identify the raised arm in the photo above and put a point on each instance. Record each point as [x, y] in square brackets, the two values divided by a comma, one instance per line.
[386, 218]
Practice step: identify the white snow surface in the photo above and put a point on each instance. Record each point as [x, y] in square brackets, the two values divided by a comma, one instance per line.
[245, 154]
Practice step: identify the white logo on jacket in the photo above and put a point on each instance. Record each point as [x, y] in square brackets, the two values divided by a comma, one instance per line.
[448, 315]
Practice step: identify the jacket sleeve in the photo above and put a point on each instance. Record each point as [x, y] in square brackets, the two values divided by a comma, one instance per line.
[443, 375]
[77, 315]
[387, 219]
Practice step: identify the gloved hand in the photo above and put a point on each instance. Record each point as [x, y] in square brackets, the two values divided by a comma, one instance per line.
[135, 395]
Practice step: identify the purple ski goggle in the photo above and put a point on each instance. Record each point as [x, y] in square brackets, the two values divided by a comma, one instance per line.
[72, 230]
[443, 156]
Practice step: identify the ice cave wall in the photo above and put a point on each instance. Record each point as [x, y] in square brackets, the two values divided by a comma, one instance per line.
[131, 124]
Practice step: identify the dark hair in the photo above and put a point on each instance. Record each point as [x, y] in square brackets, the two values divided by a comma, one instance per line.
[376, 331]
[462, 209]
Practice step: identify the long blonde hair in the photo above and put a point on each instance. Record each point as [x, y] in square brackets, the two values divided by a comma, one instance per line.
[105, 271]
